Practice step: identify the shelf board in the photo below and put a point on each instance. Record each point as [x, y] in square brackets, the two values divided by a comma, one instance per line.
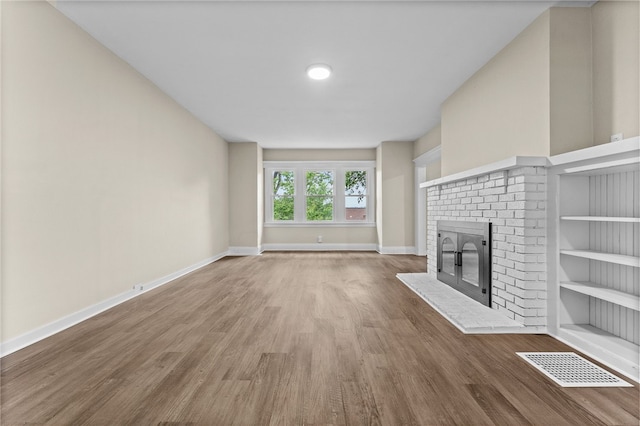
[602, 219]
[604, 293]
[604, 346]
[619, 259]
[600, 159]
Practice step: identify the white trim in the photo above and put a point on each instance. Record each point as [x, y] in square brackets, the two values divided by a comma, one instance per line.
[596, 152]
[338, 168]
[602, 355]
[498, 166]
[320, 224]
[40, 333]
[63, 323]
[244, 251]
[319, 247]
[396, 250]
[420, 207]
[429, 157]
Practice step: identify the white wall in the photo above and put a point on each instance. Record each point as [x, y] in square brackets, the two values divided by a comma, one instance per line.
[106, 181]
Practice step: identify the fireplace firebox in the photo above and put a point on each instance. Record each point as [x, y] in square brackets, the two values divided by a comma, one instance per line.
[464, 258]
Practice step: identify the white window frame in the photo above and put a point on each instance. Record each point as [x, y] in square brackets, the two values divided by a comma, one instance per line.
[300, 168]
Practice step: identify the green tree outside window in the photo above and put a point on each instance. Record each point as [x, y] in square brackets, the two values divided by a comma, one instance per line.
[283, 195]
[319, 191]
[355, 191]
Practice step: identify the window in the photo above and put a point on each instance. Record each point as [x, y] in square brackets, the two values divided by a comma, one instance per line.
[355, 193]
[284, 191]
[319, 195]
[326, 193]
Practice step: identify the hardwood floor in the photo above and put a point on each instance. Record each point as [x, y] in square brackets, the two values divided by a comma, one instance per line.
[292, 338]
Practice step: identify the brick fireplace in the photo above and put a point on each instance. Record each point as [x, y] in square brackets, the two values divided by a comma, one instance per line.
[512, 196]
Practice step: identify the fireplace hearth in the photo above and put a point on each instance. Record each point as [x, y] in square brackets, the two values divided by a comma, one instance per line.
[464, 258]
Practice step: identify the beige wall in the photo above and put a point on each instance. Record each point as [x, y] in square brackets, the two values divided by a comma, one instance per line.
[245, 169]
[260, 195]
[570, 90]
[106, 181]
[396, 185]
[426, 143]
[330, 234]
[380, 235]
[434, 170]
[568, 81]
[616, 73]
[432, 139]
[503, 109]
[319, 154]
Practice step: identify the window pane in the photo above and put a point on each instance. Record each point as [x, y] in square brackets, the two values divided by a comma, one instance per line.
[320, 182]
[355, 207]
[355, 182]
[282, 208]
[319, 208]
[283, 183]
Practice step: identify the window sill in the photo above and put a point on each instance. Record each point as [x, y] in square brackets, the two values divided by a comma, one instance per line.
[319, 224]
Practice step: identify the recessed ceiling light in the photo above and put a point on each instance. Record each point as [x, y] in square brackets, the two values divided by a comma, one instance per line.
[319, 71]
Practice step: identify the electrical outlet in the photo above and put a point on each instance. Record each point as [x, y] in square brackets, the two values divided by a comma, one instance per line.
[319, 238]
[617, 137]
[138, 287]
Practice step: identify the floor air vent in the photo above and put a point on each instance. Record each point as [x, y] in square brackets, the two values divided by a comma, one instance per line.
[571, 370]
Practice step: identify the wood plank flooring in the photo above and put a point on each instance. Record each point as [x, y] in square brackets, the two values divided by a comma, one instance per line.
[288, 339]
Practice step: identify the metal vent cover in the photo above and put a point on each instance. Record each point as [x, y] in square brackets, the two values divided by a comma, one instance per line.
[568, 369]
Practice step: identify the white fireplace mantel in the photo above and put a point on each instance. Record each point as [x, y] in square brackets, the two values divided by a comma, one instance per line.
[498, 166]
[571, 160]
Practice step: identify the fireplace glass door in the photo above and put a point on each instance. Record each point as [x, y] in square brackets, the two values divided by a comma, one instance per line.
[464, 259]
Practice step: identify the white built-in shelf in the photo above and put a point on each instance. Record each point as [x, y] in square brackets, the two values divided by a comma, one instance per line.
[596, 187]
[602, 219]
[593, 337]
[622, 348]
[619, 259]
[606, 158]
[609, 294]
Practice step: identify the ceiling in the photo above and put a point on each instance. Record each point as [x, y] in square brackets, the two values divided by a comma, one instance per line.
[240, 66]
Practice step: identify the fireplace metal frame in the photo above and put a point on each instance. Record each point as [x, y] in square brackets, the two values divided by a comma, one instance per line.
[460, 233]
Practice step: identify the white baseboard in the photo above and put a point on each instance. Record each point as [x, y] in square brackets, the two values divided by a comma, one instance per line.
[612, 361]
[319, 247]
[63, 323]
[244, 251]
[40, 333]
[396, 250]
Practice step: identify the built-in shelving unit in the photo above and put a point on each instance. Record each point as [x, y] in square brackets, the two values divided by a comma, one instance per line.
[602, 219]
[618, 297]
[618, 259]
[594, 252]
